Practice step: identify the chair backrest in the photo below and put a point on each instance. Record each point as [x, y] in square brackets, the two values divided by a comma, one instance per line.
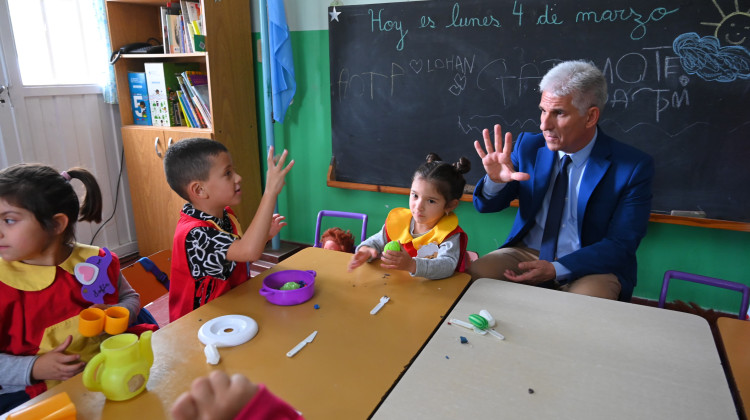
[149, 275]
[711, 281]
[345, 214]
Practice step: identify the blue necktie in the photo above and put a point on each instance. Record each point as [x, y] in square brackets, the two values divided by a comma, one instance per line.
[548, 249]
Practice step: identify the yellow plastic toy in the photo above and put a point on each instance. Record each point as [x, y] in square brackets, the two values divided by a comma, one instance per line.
[122, 368]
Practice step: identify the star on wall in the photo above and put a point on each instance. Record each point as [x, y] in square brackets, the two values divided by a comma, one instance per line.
[334, 15]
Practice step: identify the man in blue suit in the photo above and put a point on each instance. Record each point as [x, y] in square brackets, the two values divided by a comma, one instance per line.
[605, 206]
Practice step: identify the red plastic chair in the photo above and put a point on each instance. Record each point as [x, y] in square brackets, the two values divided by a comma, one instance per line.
[711, 281]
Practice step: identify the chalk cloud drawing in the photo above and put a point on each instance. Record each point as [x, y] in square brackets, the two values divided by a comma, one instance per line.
[722, 57]
[707, 59]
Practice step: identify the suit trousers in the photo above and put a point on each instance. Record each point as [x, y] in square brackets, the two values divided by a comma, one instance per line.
[494, 264]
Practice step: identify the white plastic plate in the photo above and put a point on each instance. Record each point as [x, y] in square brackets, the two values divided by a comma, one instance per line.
[226, 331]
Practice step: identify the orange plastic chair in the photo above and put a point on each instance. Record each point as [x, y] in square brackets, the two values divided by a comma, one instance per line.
[149, 276]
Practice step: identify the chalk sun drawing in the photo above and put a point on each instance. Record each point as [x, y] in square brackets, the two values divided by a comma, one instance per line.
[722, 57]
[734, 28]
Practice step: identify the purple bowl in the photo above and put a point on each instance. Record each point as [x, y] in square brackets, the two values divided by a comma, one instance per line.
[273, 282]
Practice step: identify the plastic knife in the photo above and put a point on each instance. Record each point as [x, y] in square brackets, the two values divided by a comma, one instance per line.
[302, 343]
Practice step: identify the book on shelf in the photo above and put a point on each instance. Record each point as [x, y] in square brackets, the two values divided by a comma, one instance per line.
[195, 117]
[170, 16]
[191, 15]
[183, 27]
[162, 91]
[197, 83]
[199, 80]
[184, 108]
[139, 98]
[163, 11]
[174, 33]
[200, 43]
[188, 34]
[194, 15]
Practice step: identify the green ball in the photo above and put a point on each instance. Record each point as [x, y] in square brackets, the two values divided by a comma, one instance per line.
[290, 285]
[392, 246]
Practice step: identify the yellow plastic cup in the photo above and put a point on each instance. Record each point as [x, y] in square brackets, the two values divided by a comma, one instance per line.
[117, 320]
[91, 322]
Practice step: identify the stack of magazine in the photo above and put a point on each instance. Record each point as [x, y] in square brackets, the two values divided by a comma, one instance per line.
[183, 27]
[193, 96]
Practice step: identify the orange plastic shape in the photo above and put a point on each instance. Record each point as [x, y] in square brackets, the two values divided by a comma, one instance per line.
[117, 320]
[56, 407]
[91, 322]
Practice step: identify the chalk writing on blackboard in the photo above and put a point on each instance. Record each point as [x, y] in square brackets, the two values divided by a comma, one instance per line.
[416, 77]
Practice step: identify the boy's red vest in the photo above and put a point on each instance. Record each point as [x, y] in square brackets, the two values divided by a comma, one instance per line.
[187, 293]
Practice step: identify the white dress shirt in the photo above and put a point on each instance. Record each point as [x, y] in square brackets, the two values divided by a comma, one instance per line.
[568, 240]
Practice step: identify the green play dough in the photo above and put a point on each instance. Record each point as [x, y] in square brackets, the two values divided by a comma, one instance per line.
[290, 285]
[392, 246]
[478, 321]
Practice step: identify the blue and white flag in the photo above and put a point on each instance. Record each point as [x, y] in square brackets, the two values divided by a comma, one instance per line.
[283, 85]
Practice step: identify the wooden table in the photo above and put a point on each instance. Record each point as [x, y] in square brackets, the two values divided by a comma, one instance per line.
[343, 374]
[735, 340]
[565, 356]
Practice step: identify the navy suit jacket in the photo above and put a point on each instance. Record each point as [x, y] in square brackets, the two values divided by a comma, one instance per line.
[614, 203]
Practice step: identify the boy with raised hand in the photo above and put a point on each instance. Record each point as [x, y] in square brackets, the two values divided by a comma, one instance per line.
[209, 250]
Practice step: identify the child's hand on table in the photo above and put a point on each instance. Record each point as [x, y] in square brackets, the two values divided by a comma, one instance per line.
[362, 256]
[214, 397]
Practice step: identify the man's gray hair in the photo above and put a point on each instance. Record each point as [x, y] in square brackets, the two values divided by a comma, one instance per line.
[579, 78]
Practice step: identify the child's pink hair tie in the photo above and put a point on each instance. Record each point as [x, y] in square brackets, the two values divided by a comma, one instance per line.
[65, 175]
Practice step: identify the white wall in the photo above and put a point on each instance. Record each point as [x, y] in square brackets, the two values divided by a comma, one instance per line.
[65, 129]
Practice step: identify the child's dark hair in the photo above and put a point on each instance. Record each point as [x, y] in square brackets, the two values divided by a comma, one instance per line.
[45, 192]
[188, 160]
[449, 178]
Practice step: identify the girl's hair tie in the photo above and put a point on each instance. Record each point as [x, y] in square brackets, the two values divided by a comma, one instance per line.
[65, 175]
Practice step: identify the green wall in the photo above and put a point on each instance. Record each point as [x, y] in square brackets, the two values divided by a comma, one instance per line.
[306, 133]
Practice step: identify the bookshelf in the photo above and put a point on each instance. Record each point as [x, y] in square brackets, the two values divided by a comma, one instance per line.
[229, 66]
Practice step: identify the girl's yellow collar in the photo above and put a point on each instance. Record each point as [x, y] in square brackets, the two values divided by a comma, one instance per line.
[32, 278]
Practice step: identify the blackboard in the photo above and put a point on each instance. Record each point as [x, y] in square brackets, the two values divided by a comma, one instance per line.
[416, 77]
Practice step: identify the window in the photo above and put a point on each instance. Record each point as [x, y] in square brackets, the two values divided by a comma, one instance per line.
[58, 42]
